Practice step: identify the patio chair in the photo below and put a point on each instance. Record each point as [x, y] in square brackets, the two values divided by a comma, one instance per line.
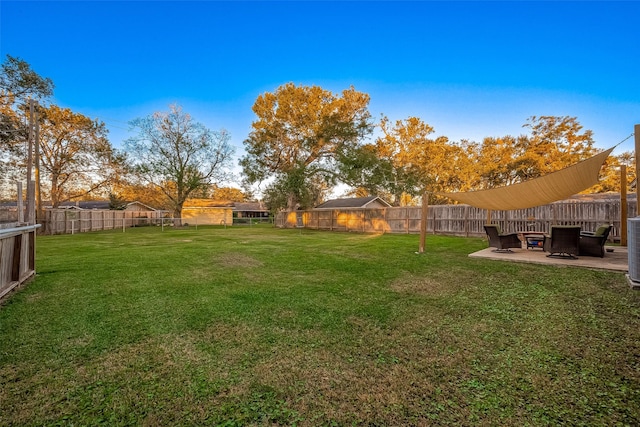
[563, 241]
[502, 242]
[592, 242]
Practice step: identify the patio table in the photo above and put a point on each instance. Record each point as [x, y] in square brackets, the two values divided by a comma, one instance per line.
[533, 239]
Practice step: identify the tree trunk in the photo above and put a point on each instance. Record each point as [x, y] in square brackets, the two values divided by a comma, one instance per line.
[55, 197]
[291, 202]
[177, 215]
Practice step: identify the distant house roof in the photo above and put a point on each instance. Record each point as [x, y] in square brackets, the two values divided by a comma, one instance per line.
[131, 204]
[91, 204]
[250, 207]
[355, 202]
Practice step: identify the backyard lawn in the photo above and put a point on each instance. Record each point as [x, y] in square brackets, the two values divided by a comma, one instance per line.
[261, 326]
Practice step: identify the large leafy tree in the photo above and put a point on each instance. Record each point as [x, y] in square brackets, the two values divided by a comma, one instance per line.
[611, 178]
[298, 139]
[18, 81]
[178, 155]
[415, 162]
[552, 144]
[76, 157]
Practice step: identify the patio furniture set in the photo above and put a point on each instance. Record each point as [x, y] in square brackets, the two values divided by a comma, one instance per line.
[565, 241]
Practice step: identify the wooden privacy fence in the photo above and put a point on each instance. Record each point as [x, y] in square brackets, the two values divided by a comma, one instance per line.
[66, 221]
[460, 220]
[17, 256]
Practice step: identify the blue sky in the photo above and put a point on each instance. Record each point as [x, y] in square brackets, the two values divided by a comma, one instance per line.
[469, 69]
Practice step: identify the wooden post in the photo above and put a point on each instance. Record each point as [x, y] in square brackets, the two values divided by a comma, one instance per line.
[488, 216]
[636, 131]
[406, 220]
[466, 221]
[30, 188]
[20, 203]
[623, 205]
[423, 222]
[32, 251]
[17, 255]
[38, 195]
[31, 208]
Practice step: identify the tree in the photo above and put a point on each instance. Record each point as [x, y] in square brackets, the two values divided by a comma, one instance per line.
[497, 160]
[610, 180]
[18, 79]
[297, 138]
[76, 157]
[227, 193]
[128, 189]
[18, 82]
[417, 162]
[178, 155]
[553, 144]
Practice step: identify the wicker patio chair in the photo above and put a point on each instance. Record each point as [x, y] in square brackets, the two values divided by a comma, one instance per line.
[502, 242]
[592, 242]
[563, 241]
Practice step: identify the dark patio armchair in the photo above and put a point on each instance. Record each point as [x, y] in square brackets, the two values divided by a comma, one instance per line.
[562, 241]
[592, 242]
[502, 242]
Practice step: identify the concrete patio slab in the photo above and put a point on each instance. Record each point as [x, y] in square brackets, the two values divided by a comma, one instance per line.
[612, 261]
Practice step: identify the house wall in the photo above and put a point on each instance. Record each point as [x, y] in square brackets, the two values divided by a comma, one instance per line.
[134, 207]
[375, 204]
[207, 216]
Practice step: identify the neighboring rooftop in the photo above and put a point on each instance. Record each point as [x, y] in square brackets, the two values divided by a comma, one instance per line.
[355, 202]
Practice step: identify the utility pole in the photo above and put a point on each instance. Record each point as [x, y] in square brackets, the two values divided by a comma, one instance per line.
[30, 185]
[39, 216]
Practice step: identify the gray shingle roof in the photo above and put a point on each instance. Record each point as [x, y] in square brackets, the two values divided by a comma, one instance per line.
[355, 202]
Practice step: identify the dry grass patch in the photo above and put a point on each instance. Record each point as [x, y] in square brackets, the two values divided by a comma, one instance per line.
[238, 260]
[435, 284]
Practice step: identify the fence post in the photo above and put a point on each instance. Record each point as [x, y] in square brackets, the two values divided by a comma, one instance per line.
[17, 253]
[466, 221]
[423, 222]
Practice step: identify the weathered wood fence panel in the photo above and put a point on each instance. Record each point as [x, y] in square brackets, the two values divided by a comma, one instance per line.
[462, 220]
[66, 221]
[17, 256]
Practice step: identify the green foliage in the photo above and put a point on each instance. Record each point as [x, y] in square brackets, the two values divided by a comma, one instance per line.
[116, 203]
[19, 80]
[260, 326]
[297, 137]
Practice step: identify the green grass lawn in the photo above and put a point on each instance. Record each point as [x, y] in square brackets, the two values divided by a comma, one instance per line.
[260, 326]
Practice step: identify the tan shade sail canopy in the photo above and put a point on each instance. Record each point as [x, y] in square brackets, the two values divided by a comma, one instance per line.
[555, 186]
